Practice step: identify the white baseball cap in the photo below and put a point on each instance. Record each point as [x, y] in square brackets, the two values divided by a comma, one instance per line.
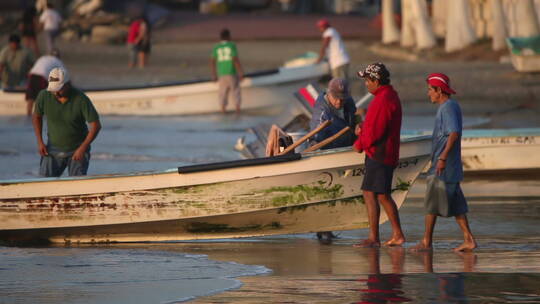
[58, 77]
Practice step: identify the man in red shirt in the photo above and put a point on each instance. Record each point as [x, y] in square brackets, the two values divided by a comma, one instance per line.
[379, 138]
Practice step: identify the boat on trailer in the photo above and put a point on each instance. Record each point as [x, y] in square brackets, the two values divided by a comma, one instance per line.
[262, 92]
[293, 193]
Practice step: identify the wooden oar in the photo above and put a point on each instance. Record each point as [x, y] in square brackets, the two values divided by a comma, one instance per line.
[306, 137]
[327, 141]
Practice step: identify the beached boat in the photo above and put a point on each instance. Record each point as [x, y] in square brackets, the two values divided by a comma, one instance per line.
[525, 53]
[482, 149]
[261, 92]
[500, 149]
[316, 191]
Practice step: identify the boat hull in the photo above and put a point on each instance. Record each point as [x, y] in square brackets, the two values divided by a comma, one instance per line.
[266, 92]
[500, 153]
[319, 192]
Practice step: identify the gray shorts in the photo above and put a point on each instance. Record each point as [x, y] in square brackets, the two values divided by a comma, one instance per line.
[229, 84]
[54, 164]
[132, 52]
[341, 71]
[444, 199]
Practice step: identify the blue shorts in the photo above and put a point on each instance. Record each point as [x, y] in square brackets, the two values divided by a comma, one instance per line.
[54, 164]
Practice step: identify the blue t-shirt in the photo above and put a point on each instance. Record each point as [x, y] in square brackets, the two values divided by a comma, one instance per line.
[448, 120]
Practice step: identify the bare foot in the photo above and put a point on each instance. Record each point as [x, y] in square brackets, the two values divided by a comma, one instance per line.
[395, 242]
[466, 246]
[368, 244]
[420, 247]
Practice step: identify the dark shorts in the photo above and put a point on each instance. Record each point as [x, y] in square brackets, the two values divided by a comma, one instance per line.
[378, 177]
[444, 199]
[35, 84]
[143, 47]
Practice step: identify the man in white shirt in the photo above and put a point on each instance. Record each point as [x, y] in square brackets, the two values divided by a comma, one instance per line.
[37, 77]
[50, 21]
[334, 48]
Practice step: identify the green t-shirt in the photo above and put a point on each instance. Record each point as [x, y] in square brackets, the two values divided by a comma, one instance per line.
[66, 122]
[223, 53]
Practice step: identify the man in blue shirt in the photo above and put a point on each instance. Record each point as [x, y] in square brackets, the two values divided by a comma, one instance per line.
[443, 194]
[336, 105]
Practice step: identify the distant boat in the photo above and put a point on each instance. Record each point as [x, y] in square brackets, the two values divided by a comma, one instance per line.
[261, 92]
[317, 191]
[482, 149]
[525, 53]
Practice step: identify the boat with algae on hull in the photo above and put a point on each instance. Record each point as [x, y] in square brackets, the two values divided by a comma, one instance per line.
[316, 191]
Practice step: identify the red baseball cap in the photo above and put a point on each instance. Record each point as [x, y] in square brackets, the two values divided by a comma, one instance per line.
[440, 80]
[323, 23]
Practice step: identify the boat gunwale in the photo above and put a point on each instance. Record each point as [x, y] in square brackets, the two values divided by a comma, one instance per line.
[175, 170]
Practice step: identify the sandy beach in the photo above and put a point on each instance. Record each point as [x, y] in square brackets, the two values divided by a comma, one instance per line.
[306, 271]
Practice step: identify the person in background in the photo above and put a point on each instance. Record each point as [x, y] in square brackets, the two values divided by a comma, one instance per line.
[333, 48]
[227, 70]
[138, 42]
[37, 78]
[50, 20]
[15, 62]
[379, 138]
[29, 27]
[68, 111]
[443, 192]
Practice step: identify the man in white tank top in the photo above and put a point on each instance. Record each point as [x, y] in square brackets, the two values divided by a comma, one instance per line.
[333, 48]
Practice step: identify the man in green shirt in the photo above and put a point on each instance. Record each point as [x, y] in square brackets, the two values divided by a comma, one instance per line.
[68, 110]
[15, 63]
[229, 72]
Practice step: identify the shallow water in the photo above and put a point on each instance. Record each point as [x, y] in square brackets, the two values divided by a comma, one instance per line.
[504, 269]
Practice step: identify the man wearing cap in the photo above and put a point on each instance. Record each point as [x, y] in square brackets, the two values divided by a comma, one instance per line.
[334, 48]
[68, 110]
[37, 78]
[443, 193]
[15, 62]
[379, 138]
[337, 106]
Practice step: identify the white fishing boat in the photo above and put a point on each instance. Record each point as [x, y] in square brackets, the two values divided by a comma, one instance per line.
[261, 92]
[525, 53]
[500, 149]
[316, 191]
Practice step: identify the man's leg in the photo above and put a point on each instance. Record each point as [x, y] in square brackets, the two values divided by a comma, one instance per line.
[79, 167]
[374, 212]
[48, 41]
[223, 92]
[236, 93]
[427, 240]
[469, 243]
[29, 107]
[391, 210]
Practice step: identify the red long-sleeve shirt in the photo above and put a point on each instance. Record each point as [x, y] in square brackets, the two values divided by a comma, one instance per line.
[379, 136]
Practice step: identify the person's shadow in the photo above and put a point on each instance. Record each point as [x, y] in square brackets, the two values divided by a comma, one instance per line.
[451, 285]
[384, 287]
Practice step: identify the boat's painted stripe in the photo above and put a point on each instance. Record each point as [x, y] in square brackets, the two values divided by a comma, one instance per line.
[240, 163]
